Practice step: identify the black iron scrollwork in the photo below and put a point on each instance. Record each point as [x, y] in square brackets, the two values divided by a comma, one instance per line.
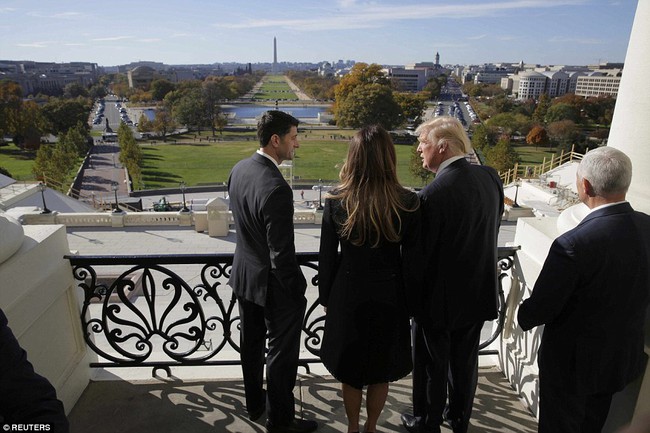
[150, 315]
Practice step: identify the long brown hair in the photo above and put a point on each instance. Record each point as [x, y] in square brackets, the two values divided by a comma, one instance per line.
[369, 190]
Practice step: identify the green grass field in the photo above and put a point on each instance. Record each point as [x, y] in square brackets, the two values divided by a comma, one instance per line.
[201, 162]
[166, 165]
[528, 155]
[17, 162]
[275, 87]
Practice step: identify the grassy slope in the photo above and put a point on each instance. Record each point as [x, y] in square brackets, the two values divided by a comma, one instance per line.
[168, 164]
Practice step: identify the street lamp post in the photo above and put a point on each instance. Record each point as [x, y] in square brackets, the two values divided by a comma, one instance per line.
[517, 185]
[117, 205]
[320, 192]
[183, 187]
[41, 188]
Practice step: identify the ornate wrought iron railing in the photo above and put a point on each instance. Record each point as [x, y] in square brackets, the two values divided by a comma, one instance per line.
[176, 310]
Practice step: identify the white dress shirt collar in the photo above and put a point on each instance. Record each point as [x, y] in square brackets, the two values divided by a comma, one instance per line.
[268, 156]
[444, 164]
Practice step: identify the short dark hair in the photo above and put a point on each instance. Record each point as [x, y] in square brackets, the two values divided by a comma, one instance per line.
[274, 122]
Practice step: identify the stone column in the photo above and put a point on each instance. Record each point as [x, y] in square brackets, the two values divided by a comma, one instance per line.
[629, 131]
[629, 134]
[218, 224]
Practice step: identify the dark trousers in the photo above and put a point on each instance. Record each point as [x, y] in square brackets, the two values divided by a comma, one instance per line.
[282, 318]
[562, 412]
[445, 365]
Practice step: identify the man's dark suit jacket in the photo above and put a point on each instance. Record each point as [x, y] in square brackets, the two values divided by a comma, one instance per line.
[262, 205]
[25, 397]
[461, 215]
[592, 294]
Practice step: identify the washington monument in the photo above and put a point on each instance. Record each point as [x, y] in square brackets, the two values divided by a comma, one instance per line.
[274, 69]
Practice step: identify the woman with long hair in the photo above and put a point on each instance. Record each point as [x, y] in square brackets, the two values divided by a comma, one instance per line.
[367, 298]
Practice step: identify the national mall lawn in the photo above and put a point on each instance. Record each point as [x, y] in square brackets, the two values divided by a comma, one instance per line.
[195, 162]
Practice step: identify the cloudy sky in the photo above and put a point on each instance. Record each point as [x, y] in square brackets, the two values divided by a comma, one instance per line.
[389, 32]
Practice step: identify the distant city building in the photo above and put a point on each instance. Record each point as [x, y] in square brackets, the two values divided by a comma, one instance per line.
[141, 77]
[326, 70]
[156, 66]
[598, 84]
[559, 80]
[414, 76]
[46, 77]
[407, 80]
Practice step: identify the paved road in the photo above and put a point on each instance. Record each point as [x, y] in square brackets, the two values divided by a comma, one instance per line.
[101, 173]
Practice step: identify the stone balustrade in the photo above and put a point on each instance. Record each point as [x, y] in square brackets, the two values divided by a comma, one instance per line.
[215, 221]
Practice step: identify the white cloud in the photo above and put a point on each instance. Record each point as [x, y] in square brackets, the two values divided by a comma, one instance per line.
[113, 38]
[67, 15]
[36, 44]
[474, 38]
[368, 15]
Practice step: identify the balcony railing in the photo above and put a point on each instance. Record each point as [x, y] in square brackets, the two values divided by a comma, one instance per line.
[165, 311]
[535, 171]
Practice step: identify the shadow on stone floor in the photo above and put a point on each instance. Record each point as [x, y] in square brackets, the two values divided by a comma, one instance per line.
[171, 406]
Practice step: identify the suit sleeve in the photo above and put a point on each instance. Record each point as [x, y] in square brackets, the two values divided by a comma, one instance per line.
[553, 288]
[25, 397]
[413, 262]
[328, 257]
[278, 218]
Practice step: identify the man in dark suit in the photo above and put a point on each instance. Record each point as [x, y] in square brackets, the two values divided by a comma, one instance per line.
[25, 397]
[461, 215]
[592, 295]
[265, 277]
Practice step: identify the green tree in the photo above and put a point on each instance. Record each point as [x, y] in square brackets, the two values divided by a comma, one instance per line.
[368, 104]
[561, 111]
[144, 124]
[415, 166]
[11, 101]
[97, 91]
[361, 74]
[542, 107]
[214, 92]
[76, 140]
[599, 110]
[314, 85]
[483, 137]
[563, 132]
[160, 88]
[411, 105]
[501, 103]
[164, 122]
[471, 89]
[130, 154]
[63, 114]
[432, 88]
[43, 161]
[509, 123]
[29, 125]
[526, 108]
[55, 162]
[188, 108]
[75, 90]
[221, 122]
[502, 156]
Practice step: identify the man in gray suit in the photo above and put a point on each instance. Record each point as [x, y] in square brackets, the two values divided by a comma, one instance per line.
[592, 295]
[266, 278]
[461, 215]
